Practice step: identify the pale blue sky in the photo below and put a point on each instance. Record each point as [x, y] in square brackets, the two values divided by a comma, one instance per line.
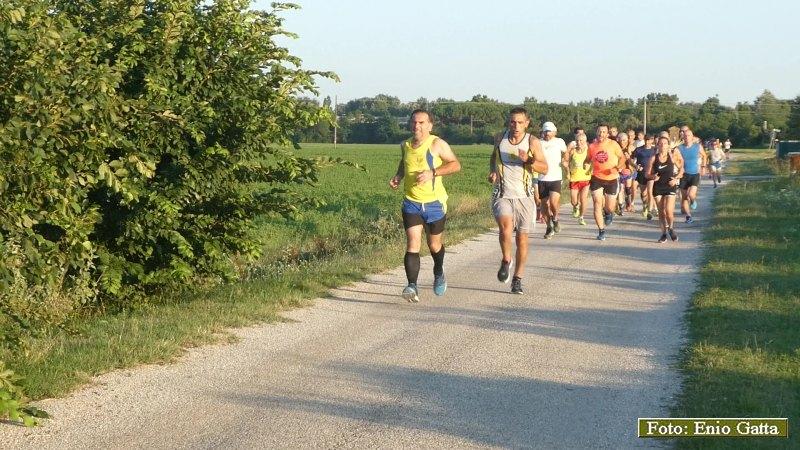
[557, 51]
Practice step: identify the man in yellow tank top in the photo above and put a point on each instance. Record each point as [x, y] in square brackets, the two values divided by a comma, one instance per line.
[424, 159]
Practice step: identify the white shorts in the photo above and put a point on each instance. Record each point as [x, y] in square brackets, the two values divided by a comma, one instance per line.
[523, 211]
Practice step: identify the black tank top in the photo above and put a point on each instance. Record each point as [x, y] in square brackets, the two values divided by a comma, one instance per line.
[664, 170]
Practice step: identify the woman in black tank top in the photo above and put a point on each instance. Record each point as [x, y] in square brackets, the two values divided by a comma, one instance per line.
[667, 172]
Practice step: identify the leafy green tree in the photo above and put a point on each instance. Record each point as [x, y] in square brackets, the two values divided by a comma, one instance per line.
[793, 125]
[771, 110]
[131, 133]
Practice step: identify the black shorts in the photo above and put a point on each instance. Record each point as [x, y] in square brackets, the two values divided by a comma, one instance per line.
[690, 180]
[546, 187]
[609, 186]
[641, 178]
[661, 190]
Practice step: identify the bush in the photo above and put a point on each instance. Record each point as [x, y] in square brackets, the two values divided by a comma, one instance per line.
[131, 134]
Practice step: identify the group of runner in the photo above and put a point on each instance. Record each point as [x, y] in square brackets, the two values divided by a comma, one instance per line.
[526, 174]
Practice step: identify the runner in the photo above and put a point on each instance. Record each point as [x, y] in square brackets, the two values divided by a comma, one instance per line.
[665, 168]
[641, 158]
[575, 132]
[555, 153]
[727, 145]
[516, 154]
[613, 132]
[424, 159]
[579, 178]
[717, 158]
[639, 142]
[606, 160]
[625, 194]
[694, 160]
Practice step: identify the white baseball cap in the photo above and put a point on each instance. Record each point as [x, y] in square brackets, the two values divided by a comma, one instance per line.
[549, 126]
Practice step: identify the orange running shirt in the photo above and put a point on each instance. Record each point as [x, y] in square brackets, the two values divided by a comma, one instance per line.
[605, 158]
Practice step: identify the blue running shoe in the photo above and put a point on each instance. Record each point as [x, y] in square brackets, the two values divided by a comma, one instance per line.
[410, 293]
[608, 217]
[693, 204]
[689, 219]
[439, 285]
[601, 236]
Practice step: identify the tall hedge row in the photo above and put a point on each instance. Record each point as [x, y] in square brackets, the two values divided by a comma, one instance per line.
[138, 140]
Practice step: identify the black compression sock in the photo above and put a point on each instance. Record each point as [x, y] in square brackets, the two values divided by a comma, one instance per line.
[411, 263]
[438, 261]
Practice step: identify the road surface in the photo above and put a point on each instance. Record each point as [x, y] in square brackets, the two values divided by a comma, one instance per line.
[592, 345]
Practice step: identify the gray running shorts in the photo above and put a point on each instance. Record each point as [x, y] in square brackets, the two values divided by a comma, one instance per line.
[523, 210]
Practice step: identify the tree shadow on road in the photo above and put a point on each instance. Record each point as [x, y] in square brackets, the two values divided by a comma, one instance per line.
[496, 411]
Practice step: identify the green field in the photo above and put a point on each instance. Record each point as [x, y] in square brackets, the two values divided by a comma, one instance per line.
[357, 232]
[744, 354]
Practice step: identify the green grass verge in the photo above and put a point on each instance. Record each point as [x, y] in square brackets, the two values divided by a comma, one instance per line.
[358, 232]
[743, 359]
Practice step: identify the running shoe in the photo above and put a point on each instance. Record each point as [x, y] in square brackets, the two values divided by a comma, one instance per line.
[689, 219]
[410, 293]
[516, 286]
[556, 227]
[673, 235]
[649, 216]
[601, 236]
[549, 233]
[576, 212]
[645, 212]
[693, 204]
[663, 238]
[608, 217]
[439, 285]
[581, 221]
[504, 274]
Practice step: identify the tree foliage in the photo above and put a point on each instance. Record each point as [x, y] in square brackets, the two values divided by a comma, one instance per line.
[131, 136]
[476, 120]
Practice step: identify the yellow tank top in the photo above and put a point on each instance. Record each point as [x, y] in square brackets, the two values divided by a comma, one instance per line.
[416, 160]
[576, 170]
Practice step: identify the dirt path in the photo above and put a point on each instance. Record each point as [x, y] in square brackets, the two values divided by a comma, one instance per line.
[590, 347]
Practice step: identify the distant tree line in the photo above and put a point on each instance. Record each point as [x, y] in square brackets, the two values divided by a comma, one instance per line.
[382, 118]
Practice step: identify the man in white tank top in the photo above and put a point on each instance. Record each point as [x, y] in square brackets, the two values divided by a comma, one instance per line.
[516, 154]
[555, 153]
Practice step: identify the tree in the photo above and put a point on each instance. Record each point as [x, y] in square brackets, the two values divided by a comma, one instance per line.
[129, 129]
[771, 110]
[793, 124]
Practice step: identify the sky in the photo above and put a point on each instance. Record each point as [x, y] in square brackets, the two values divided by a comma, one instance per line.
[555, 51]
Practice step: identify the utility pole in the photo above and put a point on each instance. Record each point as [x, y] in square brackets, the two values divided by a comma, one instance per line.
[335, 119]
[645, 116]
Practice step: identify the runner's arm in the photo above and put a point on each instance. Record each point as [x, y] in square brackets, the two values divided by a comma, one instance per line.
[493, 160]
[565, 158]
[679, 162]
[539, 163]
[395, 180]
[650, 175]
[622, 162]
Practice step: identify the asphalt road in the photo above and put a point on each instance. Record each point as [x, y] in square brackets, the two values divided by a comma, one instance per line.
[592, 345]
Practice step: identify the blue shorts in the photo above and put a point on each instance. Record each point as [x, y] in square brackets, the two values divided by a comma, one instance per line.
[415, 213]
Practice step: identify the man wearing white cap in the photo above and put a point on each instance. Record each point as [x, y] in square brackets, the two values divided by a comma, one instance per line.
[555, 153]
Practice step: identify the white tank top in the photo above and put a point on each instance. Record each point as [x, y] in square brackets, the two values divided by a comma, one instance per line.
[553, 152]
[515, 181]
